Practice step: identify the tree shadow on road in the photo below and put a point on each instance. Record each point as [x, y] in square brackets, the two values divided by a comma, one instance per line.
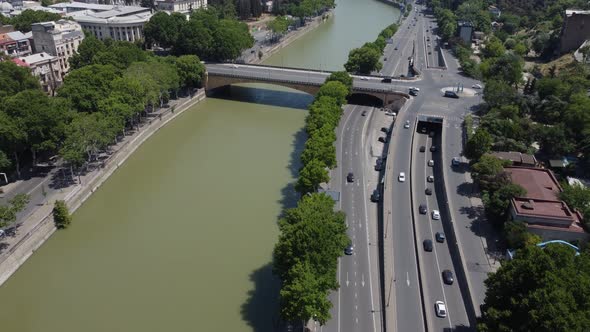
[467, 189]
[260, 310]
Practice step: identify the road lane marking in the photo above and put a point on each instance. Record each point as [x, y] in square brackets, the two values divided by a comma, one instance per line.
[363, 280]
[408, 278]
[347, 279]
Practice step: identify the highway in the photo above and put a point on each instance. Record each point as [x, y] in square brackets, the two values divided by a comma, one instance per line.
[433, 263]
[357, 302]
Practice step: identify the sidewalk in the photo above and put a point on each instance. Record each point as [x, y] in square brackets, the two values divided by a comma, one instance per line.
[38, 225]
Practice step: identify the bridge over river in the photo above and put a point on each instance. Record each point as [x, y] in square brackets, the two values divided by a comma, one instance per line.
[306, 80]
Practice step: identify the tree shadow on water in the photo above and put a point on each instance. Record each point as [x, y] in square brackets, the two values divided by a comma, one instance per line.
[260, 310]
[289, 196]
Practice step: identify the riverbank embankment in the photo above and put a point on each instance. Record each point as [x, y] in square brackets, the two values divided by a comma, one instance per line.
[37, 227]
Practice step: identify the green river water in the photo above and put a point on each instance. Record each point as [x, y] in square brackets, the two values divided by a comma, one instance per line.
[180, 238]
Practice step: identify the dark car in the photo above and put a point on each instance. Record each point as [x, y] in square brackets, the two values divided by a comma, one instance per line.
[422, 209]
[422, 148]
[428, 191]
[440, 237]
[349, 250]
[427, 245]
[385, 130]
[350, 177]
[386, 80]
[447, 276]
[431, 134]
[378, 167]
[382, 139]
[379, 161]
[433, 148]
[376, 196]
[451, 94]
[364, 113]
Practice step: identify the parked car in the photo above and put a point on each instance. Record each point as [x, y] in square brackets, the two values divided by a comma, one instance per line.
[376, 196]
[422, 208]
[427, 245]
[435, 215]
[451, 94]
[402, 177]
[378, 167]
[364, 113]
[422, 148]
[382, 139]
[386, 79]
[385, 130]
[433, 148]
[440, 308]
[476, 86]
[428, 191]
[423, 130]
[430, 178]
[350, 177]
[440, 237]
[407, 124]
[456, 161]
[447, 276]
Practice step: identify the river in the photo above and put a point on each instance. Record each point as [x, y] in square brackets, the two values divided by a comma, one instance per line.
[180, 237]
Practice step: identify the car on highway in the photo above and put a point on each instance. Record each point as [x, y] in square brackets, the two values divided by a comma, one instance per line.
[385, 130]
[364, 78]
[349, 250]
[440, 308]
[378, 166]
[422, 148]
[235, 66]
[382, 139]
[407, 124]
[364, 113]
[431, 163]
[414, 88]
[451, 94]
[433, 148]
[476, 86]
[390, 113]
[428, 39]
[426, 30]
[456, 161]
[427, 245]
[386, 79]
[401, 177]
[431, 134]
[430, 178]
[429, 52]
[350, 177]
[375, 196]
[440, 237]
[422, 208]
[435, 215]
[447, 276]
[428, 191]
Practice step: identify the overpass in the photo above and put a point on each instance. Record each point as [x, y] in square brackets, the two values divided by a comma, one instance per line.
[222, 75]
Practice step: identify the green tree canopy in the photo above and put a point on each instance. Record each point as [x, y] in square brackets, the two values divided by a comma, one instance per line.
[363, 60]
[342, 77]
[191, 70]
[313, 174]
[15, 205]
[539, 290]
[164, 29]
[334, 89]
[14, 79]
[479, 144]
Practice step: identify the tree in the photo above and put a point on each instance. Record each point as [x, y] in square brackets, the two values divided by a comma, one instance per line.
[498, 93]
[4, 161]
[334, 89]
[190, 70]
[61, 215]
[194, 38]
[244, 9]
[311, 176]
[508, 68]
[479, 144]
[86, 86]
[24, 20]
[164, 29]
[494, 48]
[321, 147]
[14, 79]
[577, 197]
[88, 48]
[15, 205]
[230, 39]
[539, 290]
[487, 169]
[279, 25]
[517, 236]
[363, 60]
[554, 141]
[497, 203]
[342, 77]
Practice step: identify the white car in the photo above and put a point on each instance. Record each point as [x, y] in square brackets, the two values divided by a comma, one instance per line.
[476, 86]
[407, 124]
[431, 163]
[435, 215]
[414, 88]
[364, 78]
[402, 177]
[441, 309]
[235, 66]
[456, 161]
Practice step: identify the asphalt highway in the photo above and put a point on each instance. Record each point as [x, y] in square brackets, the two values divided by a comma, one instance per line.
[357, 302]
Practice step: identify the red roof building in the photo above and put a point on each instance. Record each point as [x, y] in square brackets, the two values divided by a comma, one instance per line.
[541, 209]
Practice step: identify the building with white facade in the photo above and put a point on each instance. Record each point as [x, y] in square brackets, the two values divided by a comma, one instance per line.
[46, 67]
[60, 39]
[108, 21]
[180, 6]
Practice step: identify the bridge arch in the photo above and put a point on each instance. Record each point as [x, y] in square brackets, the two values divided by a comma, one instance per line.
[215, 82]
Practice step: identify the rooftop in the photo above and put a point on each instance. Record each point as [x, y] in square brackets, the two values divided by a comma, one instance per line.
[516, 157]
[80, 6]
[570, 12]
[539, 183]
[36, 58]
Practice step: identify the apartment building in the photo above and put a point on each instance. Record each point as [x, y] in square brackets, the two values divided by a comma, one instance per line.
[60, 39]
